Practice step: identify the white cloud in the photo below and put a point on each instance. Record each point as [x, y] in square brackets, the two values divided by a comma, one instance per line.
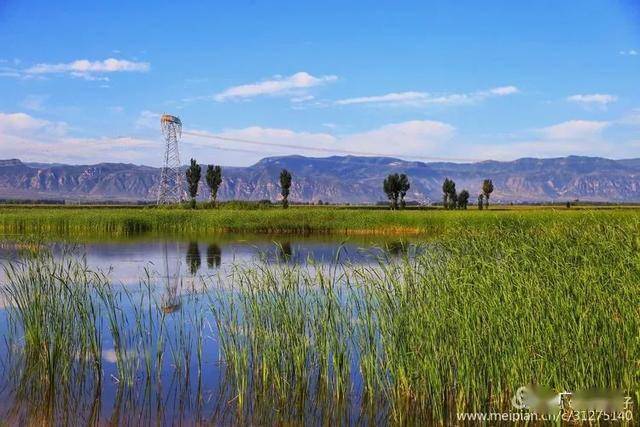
[390, 98]
[304, 98]
[412, 138]
[601, 99]
[81, 150]
[8, 68]
[86, 69]
[302, 139]
[574, 137]
[9, 71]
[20, 123]
[34, 139]
[420, 139]
[91, 77]
[34, 102]
[293, 84]
[110, 65]
[503, 90]
[630, 52]
[574, 129]
[423, 98]
[258, 142]
[542, 148]
[405, 139]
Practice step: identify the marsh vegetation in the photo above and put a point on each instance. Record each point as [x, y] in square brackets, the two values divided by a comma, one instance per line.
[337, 221]
[453, 323]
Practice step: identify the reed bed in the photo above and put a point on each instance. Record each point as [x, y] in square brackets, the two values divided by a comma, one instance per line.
[457, 329]
[493, 303]
[65, 320]
[81, 222]
[56, 337]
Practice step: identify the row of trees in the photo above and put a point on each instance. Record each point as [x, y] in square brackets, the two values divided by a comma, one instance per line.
[396, 186]
[213, 178]
[452, 200]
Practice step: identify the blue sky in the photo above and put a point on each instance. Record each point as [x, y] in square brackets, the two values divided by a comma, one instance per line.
[85, 82]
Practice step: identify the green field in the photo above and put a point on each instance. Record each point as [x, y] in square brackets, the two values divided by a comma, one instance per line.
[101, 221]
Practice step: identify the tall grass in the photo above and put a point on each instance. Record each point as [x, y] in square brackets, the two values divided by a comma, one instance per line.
[457, 329]
[285, 342]
[60, 350]
[81, 222]
[60, 316]
[458, 326]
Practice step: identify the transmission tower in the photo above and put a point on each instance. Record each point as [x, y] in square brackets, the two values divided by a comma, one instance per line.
[171, 189]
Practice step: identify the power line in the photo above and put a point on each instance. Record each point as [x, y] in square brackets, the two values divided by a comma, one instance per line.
[322, 149]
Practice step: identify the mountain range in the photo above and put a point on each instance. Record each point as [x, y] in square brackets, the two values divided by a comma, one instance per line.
[339, 179]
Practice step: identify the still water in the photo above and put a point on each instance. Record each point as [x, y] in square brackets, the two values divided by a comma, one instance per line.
[127, 261]
[172, 370]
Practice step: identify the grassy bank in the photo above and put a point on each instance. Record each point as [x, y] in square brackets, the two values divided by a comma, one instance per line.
[78, 222]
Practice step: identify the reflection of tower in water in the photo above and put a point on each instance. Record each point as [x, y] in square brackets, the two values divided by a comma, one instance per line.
[170, 298]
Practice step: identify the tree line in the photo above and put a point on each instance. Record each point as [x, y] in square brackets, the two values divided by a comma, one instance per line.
[451, 199]
[395, 186]
[213, 178]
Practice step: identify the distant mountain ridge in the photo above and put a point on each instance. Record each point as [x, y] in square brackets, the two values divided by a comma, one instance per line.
[339, 179]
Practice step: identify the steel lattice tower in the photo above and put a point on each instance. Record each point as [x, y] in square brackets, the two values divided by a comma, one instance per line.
[171, 189]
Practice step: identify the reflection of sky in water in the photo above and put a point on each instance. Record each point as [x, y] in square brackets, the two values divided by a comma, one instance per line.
[180, 266]
[127, 263]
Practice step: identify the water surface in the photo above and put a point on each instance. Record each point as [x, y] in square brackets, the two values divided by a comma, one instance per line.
[164, 300]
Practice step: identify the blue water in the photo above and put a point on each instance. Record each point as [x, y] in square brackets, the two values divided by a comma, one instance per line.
[167, 284]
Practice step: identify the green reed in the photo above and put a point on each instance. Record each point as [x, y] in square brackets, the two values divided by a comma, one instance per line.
[487, 307]
[59, 315]
[51, 307]
[459, 328]
[114, 223]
